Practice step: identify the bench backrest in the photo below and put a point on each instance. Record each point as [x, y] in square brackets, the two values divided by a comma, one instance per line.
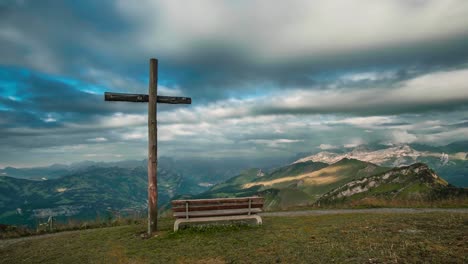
[217, 207]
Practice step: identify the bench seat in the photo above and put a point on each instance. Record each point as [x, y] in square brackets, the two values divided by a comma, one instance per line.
[218, 209]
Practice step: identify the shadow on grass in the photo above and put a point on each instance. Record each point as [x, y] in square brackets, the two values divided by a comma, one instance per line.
[210, 228]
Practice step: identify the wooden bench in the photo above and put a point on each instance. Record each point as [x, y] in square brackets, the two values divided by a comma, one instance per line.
[219, 209]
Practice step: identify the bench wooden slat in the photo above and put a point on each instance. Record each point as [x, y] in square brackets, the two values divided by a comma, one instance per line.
[217, 207]
[217, 201]
[193, 214]
[194, 205]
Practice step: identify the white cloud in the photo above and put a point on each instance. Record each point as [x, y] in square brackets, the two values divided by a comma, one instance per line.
[436, 89]
[49, 119]
[62, 149]
[274, 142]
[123, 83]
[176, 29]
[102, 155]
[402, 136]
[433, 89]
[444, 137]
[260, 30]
[37, 54]
[133, 136]
[327, 146]
[368, 76]
[98, 139]
[354, 143]
[13, 98]
[124, 120]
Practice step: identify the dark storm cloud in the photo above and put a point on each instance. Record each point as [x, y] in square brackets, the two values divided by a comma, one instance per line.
[368, 109]
[395, 124]
[58, 36]
[261, 75]
[41, 94]
[39, 111]
[458, 125]
[215, 75]
[226, 57]
[69, 37]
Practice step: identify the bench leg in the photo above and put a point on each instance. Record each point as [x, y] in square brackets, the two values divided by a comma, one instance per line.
[182, 220]
[259, 219]
[176, 224]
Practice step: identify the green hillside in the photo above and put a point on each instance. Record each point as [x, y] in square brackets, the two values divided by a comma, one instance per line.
[293, 170]
[244, 177]
[297, 184]
[88, 194]
[409, 183]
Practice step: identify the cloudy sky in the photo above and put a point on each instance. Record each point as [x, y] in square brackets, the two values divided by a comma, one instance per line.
[266, 79]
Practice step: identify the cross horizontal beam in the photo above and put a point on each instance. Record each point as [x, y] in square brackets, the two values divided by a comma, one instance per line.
[144, 98]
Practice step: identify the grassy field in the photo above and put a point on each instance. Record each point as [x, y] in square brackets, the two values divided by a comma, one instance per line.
[351, 238]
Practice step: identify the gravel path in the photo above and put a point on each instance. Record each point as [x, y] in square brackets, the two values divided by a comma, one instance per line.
[366, 211]
[6, 242]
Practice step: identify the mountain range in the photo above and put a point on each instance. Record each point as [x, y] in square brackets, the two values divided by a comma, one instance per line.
[450, 162]
[89, 189]
[346, 181]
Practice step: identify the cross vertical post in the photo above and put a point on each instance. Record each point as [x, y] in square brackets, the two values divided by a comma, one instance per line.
[152, 98]
[152, 148]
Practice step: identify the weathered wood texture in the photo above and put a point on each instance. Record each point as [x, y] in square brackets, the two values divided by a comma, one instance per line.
[144, 98]
[214, 210]
[152, 98]
[124, 97]
[174, 100]
[217, 207]
[152, 149]
[254, 199]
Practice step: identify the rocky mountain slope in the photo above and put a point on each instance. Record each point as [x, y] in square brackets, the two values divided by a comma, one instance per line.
[452, 165]
[416, 182]
[297, 184]
[315, 183]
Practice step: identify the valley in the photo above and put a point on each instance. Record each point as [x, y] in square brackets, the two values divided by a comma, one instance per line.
[382, 176]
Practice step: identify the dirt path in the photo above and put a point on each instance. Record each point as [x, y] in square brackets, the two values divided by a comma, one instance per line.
[366, 211]
[6, 242]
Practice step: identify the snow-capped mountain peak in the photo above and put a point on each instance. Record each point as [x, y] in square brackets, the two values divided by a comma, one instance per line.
[398, 155]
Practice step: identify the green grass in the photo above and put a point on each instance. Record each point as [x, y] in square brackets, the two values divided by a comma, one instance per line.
[386, 188]
[353, 238]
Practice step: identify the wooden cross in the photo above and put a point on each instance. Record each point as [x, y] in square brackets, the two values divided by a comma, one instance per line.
[151, 98]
